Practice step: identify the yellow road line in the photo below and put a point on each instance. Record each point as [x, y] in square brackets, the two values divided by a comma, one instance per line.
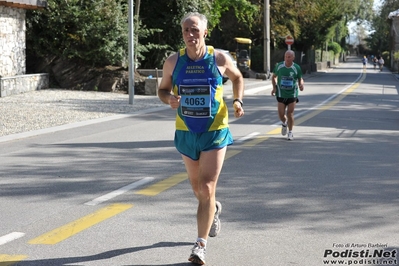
[163, 185]
[255, 141]
[274, 131]
[57, 235]
[68, 230]
[231, 153]
[8, 260]
[167, 183]
[332, 103]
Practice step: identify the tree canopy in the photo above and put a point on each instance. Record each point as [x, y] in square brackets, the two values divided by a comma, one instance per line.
[96, 31]
[378, 40]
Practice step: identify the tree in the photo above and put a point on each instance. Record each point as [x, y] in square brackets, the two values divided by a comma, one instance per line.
[379, 38]
[94, 32]
[91, 32]
[166, 15]
[358, 10]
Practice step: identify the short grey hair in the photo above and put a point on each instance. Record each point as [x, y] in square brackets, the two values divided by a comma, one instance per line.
[202, 18]
[290, 52]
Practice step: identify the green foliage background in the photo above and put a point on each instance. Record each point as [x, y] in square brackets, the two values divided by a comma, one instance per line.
[95, 32]
[335, 47]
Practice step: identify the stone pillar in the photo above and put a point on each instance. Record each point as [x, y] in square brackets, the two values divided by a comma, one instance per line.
[12, 41]
[151, 86]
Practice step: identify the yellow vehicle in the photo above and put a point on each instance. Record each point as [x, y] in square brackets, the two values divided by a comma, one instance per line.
[243, 55]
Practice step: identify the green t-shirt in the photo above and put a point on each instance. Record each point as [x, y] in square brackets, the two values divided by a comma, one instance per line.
[287, 80]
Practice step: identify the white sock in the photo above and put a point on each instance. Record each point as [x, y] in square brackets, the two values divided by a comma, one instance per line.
[199, 239]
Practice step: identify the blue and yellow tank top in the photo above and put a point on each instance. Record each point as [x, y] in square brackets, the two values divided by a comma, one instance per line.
[200, 85]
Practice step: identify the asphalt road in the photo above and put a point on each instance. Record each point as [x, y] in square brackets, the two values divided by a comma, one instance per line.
[115, 192]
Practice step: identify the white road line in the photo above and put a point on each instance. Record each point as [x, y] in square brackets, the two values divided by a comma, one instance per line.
[120, 191]
[249, 136]
[10, 237]
[257, 89]
[329, 99]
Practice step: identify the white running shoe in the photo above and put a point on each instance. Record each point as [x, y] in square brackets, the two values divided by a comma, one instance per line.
[216, 225]
[197, 254]
[290, 136]
[284, 129]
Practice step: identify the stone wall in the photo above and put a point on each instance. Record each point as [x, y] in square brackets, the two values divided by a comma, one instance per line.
[155, 73]
[23, 83]
[12, 41]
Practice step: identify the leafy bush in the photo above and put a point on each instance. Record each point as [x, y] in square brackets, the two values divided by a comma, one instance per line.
[335, 47]
[386, 55]
[95, 32]
[92, 32]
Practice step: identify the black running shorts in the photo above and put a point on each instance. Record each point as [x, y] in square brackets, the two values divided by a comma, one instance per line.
[287, 101]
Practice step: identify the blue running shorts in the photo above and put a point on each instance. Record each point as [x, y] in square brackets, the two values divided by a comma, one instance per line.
[192, 144]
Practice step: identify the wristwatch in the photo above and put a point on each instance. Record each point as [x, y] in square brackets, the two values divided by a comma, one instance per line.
[238, 100]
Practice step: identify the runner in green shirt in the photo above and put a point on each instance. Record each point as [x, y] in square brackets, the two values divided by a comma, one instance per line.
[286, 79]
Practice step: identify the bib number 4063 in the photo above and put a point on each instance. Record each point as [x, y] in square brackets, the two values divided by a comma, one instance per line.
[195, 101]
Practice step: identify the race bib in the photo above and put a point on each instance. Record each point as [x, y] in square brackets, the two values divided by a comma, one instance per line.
[287, 83]
[195, 100]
